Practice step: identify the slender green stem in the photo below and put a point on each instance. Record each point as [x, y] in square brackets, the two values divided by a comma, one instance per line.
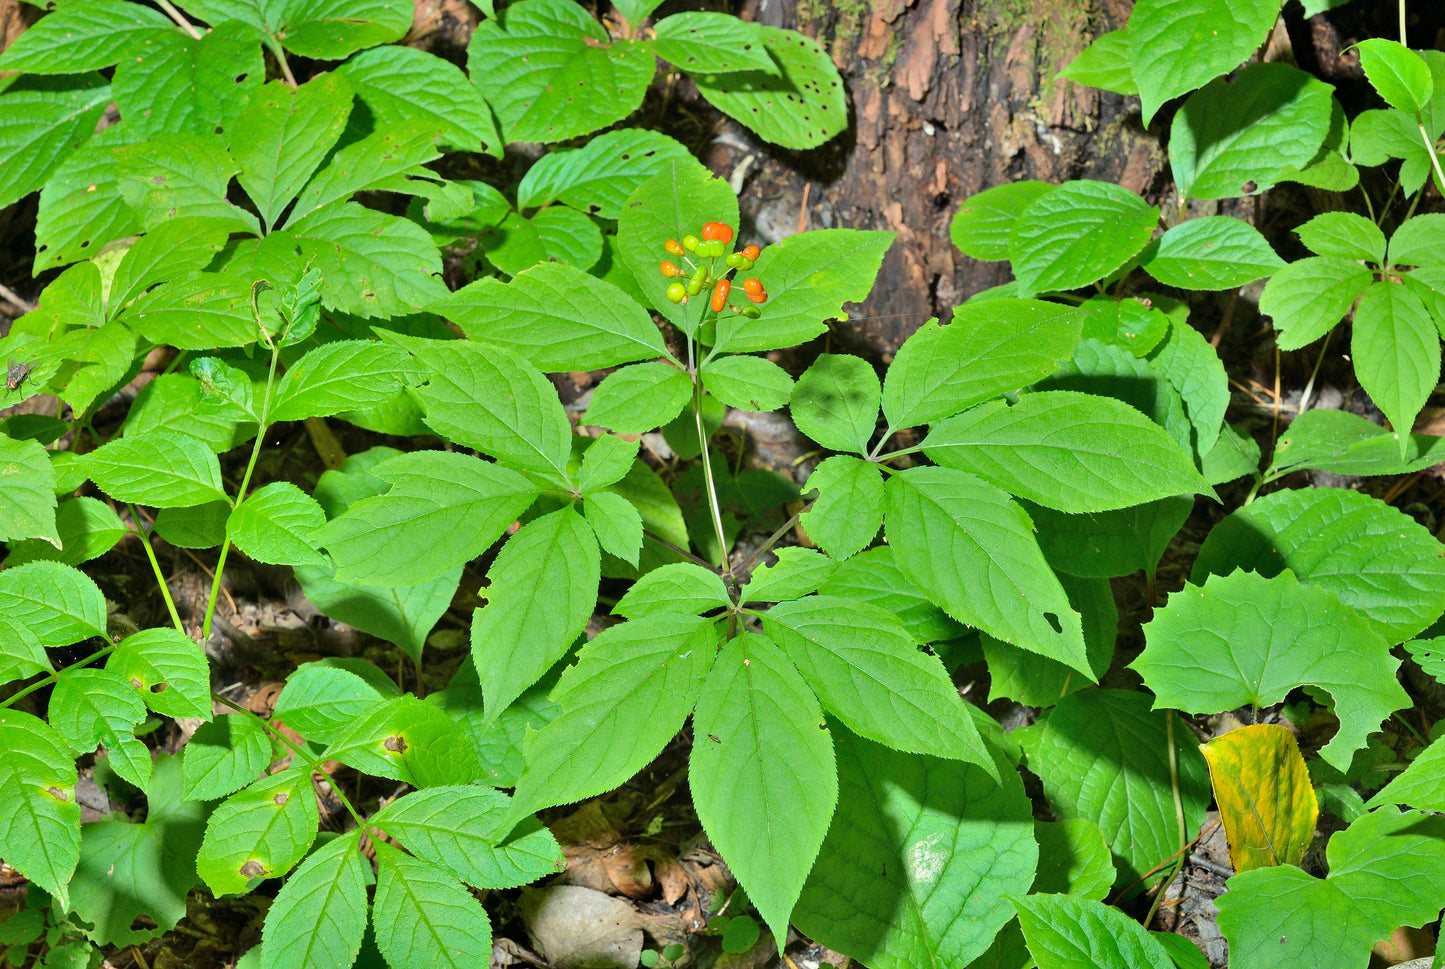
[179, 18]
[712, 500]
[145, 541]
[261, 426]
[1304, 400]
[55, 675]
[1401, 6]
[694, 559]
[880, 459]
[1434, 158]
[1178, 819]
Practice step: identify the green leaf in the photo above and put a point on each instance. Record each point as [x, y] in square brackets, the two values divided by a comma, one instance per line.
[796, 573]
[680, 587]
[1233, 137]
[91, 706]
[747, 383]
[555, 234]
[84, 37]
[1417, 241]
[410, 741]
[498, 742]
[1177, 45]
[1135, 324]
[1039, 681]
[1193, 368]
[1307, 298]
[1400, 75]
[874, 576]
[128, 870]
[328, 30]
[1263, 637]
[1344, 234]
[374, 162]
[835, 402]
[167, 669]
[628, 695]
[1337, 441]
[87, 529]
[443, 509]
[1110, 543]
[675, 202]
[224, 756]
[616, 523]
[319, 916]
[1418, 786]
[558, 318]
[1065, 932]
[58, 604]
[97, 360]
[1211, 253]
[198, 311]
[714, 43]
[639, 397]
[40, 829]
[42, 121]
[1104, 64]
[320, 702]
[1370, 555]
[199, 526]
[607, 460]
[489, 398]
[461, 829]
[371, 264]
[1078, 234]
[281, 137]
[799, 104]
[918, 859]
[27, 494]
[1104, 756]
[276, 525]
[170, 81]
[1073, 859]
[1386, 870]
[400, 84]
[865, 670]
[341, 376]
[1396, 350]
[21, 652]
[183, 175]
[424, 918]
[542, 64]
[159, 468]
[845, 517]
[983, 224]
[541, 591]
[404, 615]
[598, 177]
[972, 550]
[1068, 451]
[761, 740]
[987, 350]
[175, 248]
[259, 832]
[809, 278]
[81, 207]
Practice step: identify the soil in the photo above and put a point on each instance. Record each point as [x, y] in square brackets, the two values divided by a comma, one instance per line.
[948, 97]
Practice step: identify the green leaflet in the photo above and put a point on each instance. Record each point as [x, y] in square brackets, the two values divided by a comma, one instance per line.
[761, 740]
[797, 572]
[542, 588]
[874, 576]
[84, 38]
[167, 669]
[40, 834]
[982, 225]
[277, 525]
[715, 43]
[629, 693]
[57, 604]
[1341, 442]
[27, 494]
[91, 707]
[1400, 75]
[1418, 786]
[283, 134]
[1395, 345]
[865, 670]
[259, 832]
[971, 549]
[636, 398]
[320, 702]
[616, 523]
[42, 121]
[400, 84]
[918, 859]
[1344, 234]
[835, 402]
[1077, 234]
[1064, 932]
[1040, 681]
[159, 468]
[680, 587]
[424, 918]
[319, 915]
[1104, 64]
[1288, 635]
[845, 517]
[598, 177]
[1069, 451]
[168, 81]
[225, 755]
[747, 383]
[343, 376]
[555, 234]
[1174, 47]
[1215, 252]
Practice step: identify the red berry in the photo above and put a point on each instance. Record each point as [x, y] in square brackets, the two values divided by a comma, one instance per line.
[669, 269]
[720, 293]
[674, 247]
[750, 252]
[719, 231]
[751, 286]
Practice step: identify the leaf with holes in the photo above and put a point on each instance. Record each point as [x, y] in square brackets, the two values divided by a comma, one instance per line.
[259, 832]
[168, 670]
[407, 740]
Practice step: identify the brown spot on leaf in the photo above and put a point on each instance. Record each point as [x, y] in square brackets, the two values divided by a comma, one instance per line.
[281, 798]
[395, 744]
[253, 869]
[57, 793]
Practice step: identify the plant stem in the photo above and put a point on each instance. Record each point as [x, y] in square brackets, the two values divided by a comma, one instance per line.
[694, 559]
[179, 18]
[1178, 818]
[712, 502]
[1434, 158]
[1304, 400]
[55, 675]
[145, 541]
[1401, 6]
[773, 539]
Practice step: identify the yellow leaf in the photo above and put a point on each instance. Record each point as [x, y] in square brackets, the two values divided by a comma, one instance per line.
[1264, 795]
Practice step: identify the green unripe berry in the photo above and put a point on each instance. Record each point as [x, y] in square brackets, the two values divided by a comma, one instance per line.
[676, 291]
[690, 243]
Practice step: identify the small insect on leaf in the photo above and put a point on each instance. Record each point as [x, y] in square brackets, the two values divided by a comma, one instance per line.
[15, 373]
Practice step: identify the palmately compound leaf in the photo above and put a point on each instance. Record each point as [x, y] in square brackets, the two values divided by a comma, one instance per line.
[971, 549]
[761, 740]
[40, 829]
[1261, 637]
[259, 832]
[1177, 45]
[465, 830]
[319, 916]
[1369, 554]
[1078, 234]
[424, 918]
[866, 671]
[919, 857]
[128, 870]
[627, 696]
[1387, 869]
[542, 589]
[1103, 755]
[1065, 932]
[1264, 795]
[1069, 451]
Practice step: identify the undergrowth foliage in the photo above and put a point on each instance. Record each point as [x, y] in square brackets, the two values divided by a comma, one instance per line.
[973, 505]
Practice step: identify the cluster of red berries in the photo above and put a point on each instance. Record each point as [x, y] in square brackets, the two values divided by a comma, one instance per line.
[716, 236]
